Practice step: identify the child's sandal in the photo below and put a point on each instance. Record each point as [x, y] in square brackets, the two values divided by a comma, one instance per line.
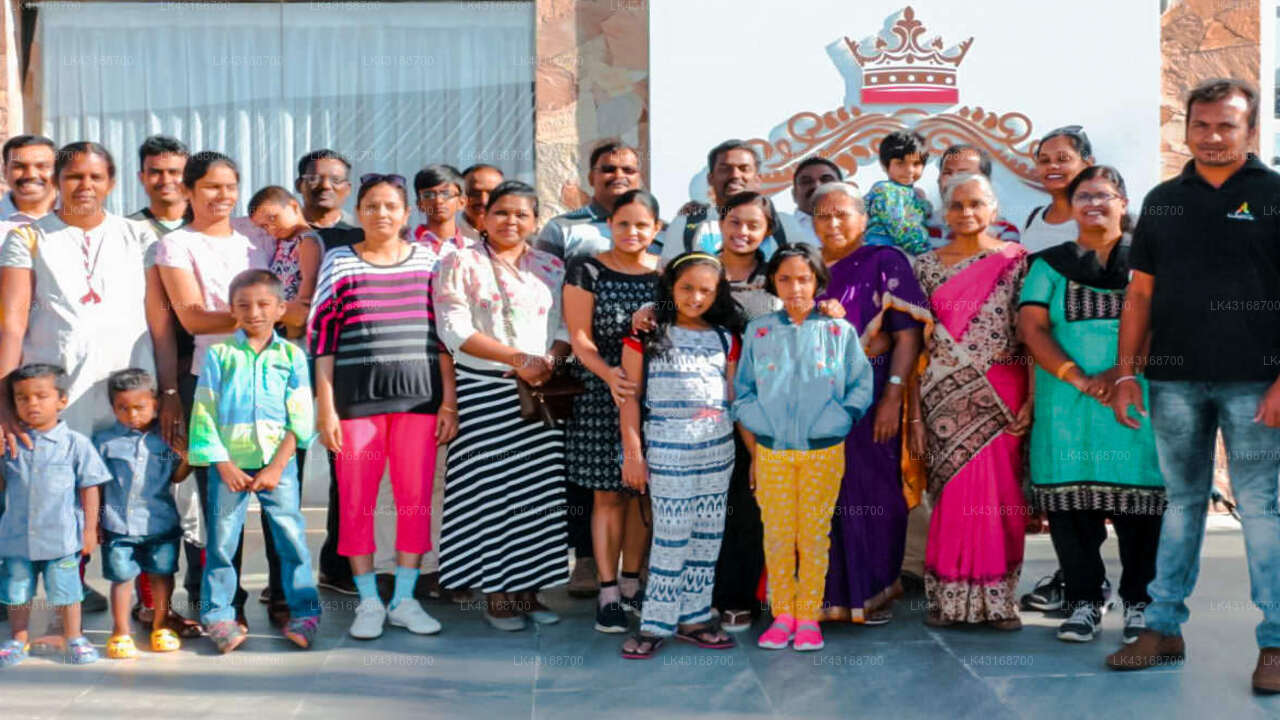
[186, 628]
[227, 635]
[302, 631]
[121, 647]
[82, 652]
[12, 652]
[164, 640]
[643, 646]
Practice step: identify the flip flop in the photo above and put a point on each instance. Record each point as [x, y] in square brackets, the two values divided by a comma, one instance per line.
[707, 638]
[652, 641]
[186, 628]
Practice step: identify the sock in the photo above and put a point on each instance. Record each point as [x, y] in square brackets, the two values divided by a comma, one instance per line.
[406, 580]
[367, 586]
[609, 592]
[629, 584]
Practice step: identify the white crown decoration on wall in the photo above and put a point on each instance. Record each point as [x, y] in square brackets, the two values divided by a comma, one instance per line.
[907, 71]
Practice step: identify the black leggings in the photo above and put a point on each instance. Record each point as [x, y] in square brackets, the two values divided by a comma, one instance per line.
[1077, 539]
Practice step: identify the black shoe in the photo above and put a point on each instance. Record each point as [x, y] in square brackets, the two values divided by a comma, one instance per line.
[634, 603]
[611, 618]
[1048, 594]
[1082, 626]
[93, 601]
[264, 597]
[346, 586]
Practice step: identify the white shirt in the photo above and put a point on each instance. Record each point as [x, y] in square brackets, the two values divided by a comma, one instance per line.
[88, 317]
[464, 226]
[215, 261]
[1040, 235]
[803, 224]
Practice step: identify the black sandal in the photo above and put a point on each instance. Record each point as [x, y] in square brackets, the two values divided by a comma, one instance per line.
[707, 637]
[644, 648]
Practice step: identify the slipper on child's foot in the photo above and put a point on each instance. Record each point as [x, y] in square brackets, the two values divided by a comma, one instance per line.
[302, 631]
[82, 652]
[12, 652]
[121, 647]
[227, 635]
[164, 640]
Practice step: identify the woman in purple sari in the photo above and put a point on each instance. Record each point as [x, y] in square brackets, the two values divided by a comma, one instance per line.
[883, 300]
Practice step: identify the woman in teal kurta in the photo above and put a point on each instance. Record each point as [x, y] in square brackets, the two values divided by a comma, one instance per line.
[1086, 467]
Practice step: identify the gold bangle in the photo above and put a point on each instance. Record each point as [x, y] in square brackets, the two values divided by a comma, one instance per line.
[445, 408]
[1064, 368]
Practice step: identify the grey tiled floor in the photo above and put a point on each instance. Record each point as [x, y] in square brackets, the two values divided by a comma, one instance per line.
[902, 670]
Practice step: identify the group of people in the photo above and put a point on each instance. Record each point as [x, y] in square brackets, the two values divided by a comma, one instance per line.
[769, 410]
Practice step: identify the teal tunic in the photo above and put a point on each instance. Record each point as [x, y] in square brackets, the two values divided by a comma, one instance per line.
[1081, 457]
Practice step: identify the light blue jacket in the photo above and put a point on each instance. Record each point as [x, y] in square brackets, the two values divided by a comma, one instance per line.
[801, 387]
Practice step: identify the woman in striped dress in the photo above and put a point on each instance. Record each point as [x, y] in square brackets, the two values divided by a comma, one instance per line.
[498, 306]
[384, 391]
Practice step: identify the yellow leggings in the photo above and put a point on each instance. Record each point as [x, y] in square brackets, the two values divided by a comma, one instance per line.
[797, 490]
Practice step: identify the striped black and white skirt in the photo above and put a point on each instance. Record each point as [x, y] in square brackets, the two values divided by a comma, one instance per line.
[503, 525]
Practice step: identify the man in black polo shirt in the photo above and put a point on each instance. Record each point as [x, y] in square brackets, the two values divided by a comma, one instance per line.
[1206, 290]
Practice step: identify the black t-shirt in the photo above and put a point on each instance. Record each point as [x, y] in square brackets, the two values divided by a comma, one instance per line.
[340, 234]
[1215, 256]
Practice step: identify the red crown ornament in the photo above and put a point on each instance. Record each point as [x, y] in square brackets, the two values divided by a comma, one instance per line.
[909, 72]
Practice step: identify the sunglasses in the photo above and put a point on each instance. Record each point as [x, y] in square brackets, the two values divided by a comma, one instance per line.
[371, 178]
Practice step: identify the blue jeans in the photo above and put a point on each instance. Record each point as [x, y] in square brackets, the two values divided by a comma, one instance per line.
[1186, 417]
[226, 512]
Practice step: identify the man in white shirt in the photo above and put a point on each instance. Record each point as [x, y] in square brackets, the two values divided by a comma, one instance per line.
[614, 169]
[733, 166]
[809, 175]
[480, 180]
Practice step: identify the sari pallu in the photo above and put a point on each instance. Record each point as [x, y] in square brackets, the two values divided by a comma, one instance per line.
[971, 390]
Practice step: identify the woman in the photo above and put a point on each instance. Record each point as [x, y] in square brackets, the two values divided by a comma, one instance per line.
[600, 294]
[975, 412]
[385, 394]
[80, 292]
[884, 302]
[498, 312]
[1086, 467]
[197, 263]
[1060, 156]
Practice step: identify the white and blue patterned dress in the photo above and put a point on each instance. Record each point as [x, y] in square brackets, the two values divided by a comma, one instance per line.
[689, 448]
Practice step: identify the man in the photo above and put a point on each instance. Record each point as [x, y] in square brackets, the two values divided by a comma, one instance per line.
[733, 166]
[162, 160]
[324, 183]
[965, 159]
[28, 170]
[614, 169]
[1204, 290]
[809, 174]
[480, 180]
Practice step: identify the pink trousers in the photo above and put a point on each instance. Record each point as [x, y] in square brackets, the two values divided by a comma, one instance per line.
[408, 442]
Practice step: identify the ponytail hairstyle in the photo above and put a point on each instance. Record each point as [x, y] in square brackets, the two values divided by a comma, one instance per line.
[725, 312]
[1111, 175]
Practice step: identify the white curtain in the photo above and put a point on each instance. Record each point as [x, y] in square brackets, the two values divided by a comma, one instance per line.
[393, 86]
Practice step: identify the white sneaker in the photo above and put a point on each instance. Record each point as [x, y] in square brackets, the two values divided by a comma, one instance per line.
[370, 615]
[409, 615]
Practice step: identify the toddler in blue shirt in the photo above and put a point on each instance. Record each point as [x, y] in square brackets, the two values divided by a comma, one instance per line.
[140, 523]
[51, 512]
[897, 211]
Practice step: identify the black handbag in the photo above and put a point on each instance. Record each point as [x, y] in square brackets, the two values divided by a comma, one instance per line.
[551, 403]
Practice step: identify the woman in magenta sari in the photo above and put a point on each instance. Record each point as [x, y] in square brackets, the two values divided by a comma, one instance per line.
[976, 412]
[883, 300]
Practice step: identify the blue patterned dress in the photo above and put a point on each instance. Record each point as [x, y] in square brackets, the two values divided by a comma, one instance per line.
[689, 448]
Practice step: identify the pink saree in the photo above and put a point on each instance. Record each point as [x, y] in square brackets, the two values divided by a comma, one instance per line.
[970, 392]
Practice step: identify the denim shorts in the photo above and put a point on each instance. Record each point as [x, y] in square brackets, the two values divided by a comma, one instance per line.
[61, 580]
[125, 556]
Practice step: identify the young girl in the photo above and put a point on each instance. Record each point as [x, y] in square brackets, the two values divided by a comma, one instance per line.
[296, 259]
[686, 457]
[384, 391]
[802, 382]
[600, 294]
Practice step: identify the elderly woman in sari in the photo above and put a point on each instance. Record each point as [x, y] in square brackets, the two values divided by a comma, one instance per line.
[883, 300]
[976, 413]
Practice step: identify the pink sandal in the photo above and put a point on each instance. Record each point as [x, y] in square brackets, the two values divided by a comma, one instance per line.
[779, 634]
[808, 637]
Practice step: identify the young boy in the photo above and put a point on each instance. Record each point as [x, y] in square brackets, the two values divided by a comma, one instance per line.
[897, 210]
[140, 523]
[252, 410]
[51, 513]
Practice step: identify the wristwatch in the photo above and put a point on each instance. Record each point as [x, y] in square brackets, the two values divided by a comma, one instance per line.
[895, 380]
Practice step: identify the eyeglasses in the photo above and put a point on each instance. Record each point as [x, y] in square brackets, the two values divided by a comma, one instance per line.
[433, 195]
[313, 179]
[1094, 198]
[624, 169]
[370, 178]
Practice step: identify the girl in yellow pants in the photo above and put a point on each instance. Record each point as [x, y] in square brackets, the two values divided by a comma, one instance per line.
[802, 381]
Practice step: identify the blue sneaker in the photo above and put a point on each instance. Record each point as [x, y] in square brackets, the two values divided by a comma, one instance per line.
[81, 652]
[12, 652]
